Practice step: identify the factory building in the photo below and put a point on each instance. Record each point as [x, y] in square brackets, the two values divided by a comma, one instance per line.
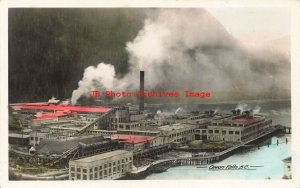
[76, 147]
[179, 132]
[136, 125]
[105, 166]
[234, 128]
[138, 142]
[125, 119]
[121, 115]
[50, 113]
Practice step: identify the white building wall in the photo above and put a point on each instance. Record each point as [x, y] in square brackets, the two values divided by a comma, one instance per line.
[103, 169]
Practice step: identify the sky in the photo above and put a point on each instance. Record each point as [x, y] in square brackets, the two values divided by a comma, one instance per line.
[254, 25]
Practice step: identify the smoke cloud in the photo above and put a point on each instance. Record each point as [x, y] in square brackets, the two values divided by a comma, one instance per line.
[192, 49]
[100, 77]
[256, 110]
[242, 107]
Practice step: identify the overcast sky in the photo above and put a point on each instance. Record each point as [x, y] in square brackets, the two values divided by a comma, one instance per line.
[254, 24]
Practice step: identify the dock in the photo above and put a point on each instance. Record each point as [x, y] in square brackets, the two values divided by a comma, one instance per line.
[142, 172]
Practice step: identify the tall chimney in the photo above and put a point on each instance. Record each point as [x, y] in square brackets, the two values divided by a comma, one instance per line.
[142, 90]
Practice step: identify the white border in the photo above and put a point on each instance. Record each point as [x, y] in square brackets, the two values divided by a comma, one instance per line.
[294, 5]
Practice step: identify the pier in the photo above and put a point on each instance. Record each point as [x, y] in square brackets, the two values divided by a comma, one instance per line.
[142, 172]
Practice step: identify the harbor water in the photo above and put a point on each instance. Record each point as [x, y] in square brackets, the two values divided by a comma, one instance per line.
[265, 158]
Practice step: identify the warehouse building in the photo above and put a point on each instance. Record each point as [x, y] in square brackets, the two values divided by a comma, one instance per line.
[105, 166]
[179, 132]
[234, 128]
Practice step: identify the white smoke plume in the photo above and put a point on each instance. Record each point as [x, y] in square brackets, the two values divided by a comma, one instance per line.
[191, 48]
[242, 107]
[102, 76]
[256, 110]
[217, 110]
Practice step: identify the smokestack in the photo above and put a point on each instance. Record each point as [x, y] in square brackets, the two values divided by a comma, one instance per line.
[142, 90]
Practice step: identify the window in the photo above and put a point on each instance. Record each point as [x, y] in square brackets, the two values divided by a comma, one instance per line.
[105, 166]
[118, 162]
[109, 164]
[122, 160]
[96, 175]
[91, 176]
[78, 176]
[114, 169]
[216, 131]
[114, 163]
[100, 173]
[91, 169]
[237, 132]
[210, 131]
[72, 174]
[96, 169]
[84, 177]
[84, 170]
[72, 168]
[78, 170]
[203, 131]
[105, 172]
[100, 167]
[230, 132]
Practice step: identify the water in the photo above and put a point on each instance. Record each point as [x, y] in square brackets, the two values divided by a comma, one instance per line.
[269, 158]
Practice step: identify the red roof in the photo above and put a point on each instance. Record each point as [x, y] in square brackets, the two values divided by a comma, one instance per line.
[134, 139]
[244, 120]
[63, 108]
[45, 116]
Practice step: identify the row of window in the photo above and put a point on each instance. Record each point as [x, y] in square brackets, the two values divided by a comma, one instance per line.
[84, 170]
[101, 174]
[228, 124]
[129, 126]
[223, 132]
[181, 133]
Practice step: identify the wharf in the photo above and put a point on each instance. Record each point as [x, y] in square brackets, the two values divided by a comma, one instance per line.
[142, 172]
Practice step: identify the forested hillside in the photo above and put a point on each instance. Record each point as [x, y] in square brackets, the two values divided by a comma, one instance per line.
[50, 48]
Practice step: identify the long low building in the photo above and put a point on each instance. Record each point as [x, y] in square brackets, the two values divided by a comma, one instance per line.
[105, 166]
[234, 128]
[179, 133]
[28, 107]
